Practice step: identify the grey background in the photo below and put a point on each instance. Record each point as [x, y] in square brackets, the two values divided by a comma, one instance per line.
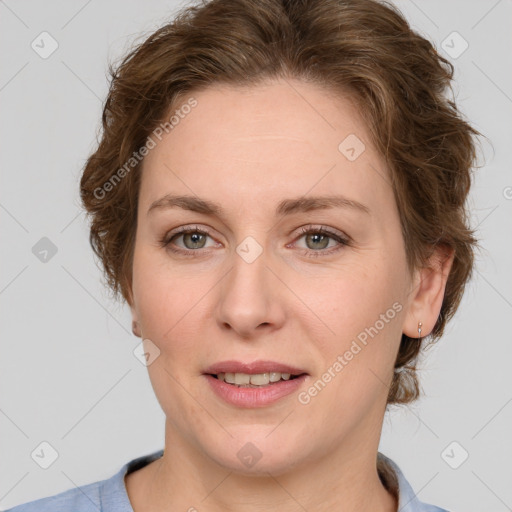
[68, 375]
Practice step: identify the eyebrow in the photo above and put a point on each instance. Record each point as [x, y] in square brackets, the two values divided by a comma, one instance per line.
[285, 207]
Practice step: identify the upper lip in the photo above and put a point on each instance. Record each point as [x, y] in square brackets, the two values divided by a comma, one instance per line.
[252, 368]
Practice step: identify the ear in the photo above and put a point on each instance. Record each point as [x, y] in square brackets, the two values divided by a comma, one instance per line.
[135, 317]
[135, 326]
[427, 293]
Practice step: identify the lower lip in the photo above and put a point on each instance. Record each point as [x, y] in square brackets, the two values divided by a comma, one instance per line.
[254, 397]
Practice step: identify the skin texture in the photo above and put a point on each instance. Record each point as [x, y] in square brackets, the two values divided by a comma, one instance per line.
[248, 149]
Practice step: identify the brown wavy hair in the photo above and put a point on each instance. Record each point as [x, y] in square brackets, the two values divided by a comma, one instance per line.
[364, 48]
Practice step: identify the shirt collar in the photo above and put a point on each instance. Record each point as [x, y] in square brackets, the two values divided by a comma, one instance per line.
[395, 482]
[389, 472]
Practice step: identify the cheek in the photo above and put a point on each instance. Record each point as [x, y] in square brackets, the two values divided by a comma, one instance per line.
[168, 307]
[352, 300]
[166, 302]
[365, 314]
[363, 310]
[169, 303]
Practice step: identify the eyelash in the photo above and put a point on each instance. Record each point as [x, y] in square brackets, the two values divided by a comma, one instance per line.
[166, 240]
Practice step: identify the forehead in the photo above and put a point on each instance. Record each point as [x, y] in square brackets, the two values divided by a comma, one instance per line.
[263, 140]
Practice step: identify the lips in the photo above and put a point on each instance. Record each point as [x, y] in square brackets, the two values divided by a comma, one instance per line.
[255, 384]
[252, 368]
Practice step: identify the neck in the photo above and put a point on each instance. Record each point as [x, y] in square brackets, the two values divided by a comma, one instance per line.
[185, 479]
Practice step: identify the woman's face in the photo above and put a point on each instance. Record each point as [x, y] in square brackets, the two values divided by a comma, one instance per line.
[264, 285]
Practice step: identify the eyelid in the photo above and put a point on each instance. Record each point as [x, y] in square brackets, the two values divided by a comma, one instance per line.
[320, 228]
[341, 238]
[183, 230]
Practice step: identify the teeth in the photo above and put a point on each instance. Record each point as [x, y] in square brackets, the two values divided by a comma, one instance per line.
[242, 378]
[259, 379]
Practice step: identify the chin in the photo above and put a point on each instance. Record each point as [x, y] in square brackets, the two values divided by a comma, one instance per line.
[258, 452]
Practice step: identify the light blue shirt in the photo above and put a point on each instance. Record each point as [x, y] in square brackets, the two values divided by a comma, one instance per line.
[110, 495]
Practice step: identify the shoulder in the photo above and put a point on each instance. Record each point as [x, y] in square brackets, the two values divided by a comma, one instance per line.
[102, 496]
[80, 499]
[394, 480]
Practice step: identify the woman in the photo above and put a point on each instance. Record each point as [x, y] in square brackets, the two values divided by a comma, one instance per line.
[279, 195]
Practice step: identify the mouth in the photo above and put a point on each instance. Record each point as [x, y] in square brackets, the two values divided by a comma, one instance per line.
[256, 380]
[254, 385]
[255, 374]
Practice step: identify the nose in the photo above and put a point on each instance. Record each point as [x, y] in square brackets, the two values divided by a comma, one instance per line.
[251, 297]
